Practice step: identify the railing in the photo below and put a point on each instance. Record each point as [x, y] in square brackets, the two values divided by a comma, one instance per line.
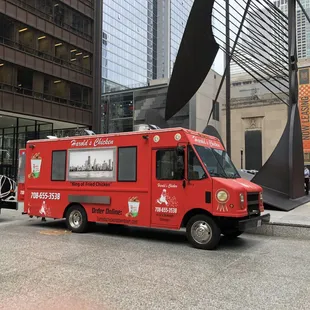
[32, 51]
[48, 97]
[88, 2]
[51, 18]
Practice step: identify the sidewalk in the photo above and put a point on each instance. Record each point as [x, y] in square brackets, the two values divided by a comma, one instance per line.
[293, 224]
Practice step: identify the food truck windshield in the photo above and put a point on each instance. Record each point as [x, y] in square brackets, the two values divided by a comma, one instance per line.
[217, 162]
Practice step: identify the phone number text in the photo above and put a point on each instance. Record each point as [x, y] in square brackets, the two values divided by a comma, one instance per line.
[166, 210]
[45, 196]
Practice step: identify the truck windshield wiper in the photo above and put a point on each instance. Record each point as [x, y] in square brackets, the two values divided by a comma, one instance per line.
[215, 174]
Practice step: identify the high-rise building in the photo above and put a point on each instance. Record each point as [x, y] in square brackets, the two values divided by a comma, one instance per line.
[48, 71]
[127, 43]
[172, 17]
[303, 26]
[140, 40]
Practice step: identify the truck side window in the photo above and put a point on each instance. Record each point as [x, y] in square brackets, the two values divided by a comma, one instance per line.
[167, 165]
[59, 159]
[195, 170]
[127, 164]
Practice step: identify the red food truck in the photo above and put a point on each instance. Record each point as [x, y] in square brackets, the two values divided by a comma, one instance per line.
[166, 178]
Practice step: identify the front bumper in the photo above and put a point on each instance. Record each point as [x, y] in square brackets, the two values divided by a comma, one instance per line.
[253, 222]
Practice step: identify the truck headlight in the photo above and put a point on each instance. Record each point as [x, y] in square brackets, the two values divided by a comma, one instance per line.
[222, 196]
[241, 196]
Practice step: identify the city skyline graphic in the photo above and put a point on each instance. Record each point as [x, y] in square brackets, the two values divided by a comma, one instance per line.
[91, 164]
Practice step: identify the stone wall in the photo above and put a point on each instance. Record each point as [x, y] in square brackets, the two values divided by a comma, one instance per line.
[269, 116]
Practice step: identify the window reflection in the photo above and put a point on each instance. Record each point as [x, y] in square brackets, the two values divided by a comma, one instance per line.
[121, 125]
[121, 106]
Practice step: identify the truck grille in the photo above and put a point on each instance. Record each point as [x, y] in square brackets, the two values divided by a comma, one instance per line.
[253, 203]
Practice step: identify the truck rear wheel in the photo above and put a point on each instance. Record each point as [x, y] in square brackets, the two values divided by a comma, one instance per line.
[76, 219]
[202, 232]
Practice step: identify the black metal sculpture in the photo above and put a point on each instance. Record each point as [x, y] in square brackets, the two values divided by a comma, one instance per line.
[195, 57]
[282, 174]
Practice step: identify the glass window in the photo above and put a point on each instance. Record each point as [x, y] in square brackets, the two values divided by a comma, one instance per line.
[169, 166]
[59, 159]
[127, 164]
[195, 170]
[217, 162]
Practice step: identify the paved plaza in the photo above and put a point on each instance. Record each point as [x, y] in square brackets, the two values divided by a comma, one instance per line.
[45, 267]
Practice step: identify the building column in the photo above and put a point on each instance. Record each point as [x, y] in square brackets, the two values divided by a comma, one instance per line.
[97, 67]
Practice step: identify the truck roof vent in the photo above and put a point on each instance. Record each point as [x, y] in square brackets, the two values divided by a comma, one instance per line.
[144, 127]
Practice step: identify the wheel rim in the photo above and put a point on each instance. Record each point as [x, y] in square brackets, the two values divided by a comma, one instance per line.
[201, 232]
[75, 219]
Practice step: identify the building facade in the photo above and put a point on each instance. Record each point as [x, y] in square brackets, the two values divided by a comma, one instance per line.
[48, 71]
[126, 108]
[258, 119]
[140, 41]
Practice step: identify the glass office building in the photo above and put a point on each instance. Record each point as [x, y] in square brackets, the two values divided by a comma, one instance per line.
[130, 107]
[180, 10]
[128, 43]
[140, 40]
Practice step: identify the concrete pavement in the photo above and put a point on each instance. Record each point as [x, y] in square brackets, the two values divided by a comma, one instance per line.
[44, 266]
[292, 224]
[299, 216]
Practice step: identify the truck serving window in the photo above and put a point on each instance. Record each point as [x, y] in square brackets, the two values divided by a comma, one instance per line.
[127, 164]
[167, 166]
[59, 159]
[195, 170]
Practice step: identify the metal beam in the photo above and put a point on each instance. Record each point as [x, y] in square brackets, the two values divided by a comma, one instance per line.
[227, 64]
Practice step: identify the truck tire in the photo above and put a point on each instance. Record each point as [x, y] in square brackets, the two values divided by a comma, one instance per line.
[203, 232]
[232, 234]
[76, 219]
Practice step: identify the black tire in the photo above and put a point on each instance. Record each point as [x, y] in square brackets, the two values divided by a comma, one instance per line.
[78, 224]
[212, 230]
[233, 234]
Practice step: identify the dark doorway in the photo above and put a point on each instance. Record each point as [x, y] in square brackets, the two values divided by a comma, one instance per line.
[253, 149]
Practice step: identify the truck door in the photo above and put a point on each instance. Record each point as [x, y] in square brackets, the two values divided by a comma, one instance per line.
[199, 187]
[167, 190]
[21, 175]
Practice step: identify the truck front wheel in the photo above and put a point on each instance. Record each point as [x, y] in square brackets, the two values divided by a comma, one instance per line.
[203, 232]
[76, 219]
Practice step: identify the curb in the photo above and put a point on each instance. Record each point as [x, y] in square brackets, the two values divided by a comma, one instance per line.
[285, 230]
